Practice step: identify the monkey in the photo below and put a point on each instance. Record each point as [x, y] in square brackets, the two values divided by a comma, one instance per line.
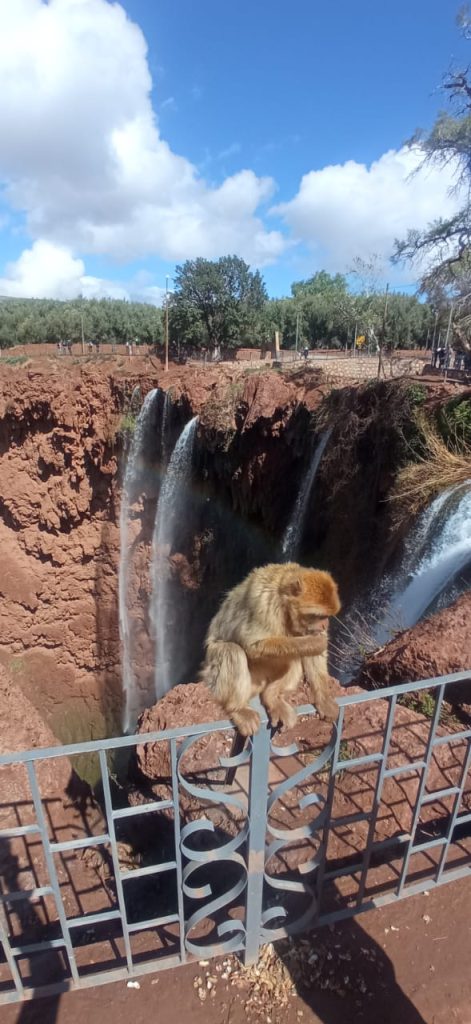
[270, 630]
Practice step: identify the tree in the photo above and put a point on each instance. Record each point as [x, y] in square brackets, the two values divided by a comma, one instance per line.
[321, 283]
[370, 303]
[36, 320]
[444, 248]
[217, 301]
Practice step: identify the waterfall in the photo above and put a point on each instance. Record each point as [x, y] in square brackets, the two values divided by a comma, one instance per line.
[294, 530]
[131, 487]
[437, 549]
[443, 547]
[165, 421]
[170, 507]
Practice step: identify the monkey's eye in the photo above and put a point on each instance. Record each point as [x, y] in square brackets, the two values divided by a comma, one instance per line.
[316, 620]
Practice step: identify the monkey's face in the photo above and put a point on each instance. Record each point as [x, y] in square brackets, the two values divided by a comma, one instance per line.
[305, 621]
[311, 598]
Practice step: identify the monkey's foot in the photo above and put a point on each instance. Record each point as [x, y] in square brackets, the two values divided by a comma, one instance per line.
[283, 714]
[246, 720]
[327, 707]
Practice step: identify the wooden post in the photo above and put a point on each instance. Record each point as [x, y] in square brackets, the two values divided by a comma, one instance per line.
[382, 336]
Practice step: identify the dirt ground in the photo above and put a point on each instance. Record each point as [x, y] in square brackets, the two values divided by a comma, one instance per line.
[402, 964]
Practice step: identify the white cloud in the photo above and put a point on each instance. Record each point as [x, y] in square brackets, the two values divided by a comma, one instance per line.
[347, 210]
[81, 152]
[49, 271]
[43, 271]
[82, 157]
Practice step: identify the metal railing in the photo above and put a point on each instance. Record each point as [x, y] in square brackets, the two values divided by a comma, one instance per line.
[235, 851]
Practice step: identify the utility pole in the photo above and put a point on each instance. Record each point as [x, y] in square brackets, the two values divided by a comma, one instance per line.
[447, 342]
[434, 347]
[83, 339]
[297, 331]
[166, 322]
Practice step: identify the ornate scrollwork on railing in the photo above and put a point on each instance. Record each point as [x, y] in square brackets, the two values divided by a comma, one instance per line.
[281, 839]
[225, 852]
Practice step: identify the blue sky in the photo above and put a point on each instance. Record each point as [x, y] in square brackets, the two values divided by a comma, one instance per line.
[137, 135]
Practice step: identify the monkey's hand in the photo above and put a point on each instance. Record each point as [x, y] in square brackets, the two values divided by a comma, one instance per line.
[288, 647]
[327, 706]
[319, 683]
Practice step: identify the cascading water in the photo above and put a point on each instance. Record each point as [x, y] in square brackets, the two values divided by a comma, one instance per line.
[445, 550]
[169, 510]
[131, 486]
[294, 530]
[437, 549]
[165, 421]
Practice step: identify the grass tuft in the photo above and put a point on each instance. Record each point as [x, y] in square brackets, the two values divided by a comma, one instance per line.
[439, 465]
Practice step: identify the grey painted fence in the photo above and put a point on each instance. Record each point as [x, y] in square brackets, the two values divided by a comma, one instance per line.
[275, 840]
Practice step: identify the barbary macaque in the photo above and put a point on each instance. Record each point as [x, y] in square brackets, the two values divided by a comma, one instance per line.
[270, 631]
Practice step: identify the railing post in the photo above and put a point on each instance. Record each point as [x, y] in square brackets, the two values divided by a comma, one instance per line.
[257, 810]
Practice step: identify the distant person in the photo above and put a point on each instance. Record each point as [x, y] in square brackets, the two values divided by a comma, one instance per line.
[129, 348]
[306, 352]
[59, 348]
[91, 346]
[434, 358]
[97, 346]
[441, 358]
[458, 361]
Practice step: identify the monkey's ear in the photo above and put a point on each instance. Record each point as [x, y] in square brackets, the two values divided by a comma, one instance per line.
[292, 587]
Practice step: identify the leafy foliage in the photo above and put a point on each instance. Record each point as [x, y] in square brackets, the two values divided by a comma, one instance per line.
[455, 422]
[217, 302]
[325, 312]
[224, 303]
[27, 321]
[14, 360]
[416, 394]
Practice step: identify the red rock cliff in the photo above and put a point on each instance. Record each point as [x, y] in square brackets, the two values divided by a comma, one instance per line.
[60, 471]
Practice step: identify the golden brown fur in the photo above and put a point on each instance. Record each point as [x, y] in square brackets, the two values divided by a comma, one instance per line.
[270, 631]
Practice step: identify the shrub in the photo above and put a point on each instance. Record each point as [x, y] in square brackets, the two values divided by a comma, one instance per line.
[14, 360]
[127, 423]
[416, 394]
[454, 422]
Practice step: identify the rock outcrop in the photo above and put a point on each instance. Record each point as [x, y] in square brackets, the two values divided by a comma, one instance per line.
[58, 467]
[437, 646]
[22, 728]
[60, 448]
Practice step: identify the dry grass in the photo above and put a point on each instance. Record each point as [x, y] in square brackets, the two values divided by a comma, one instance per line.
[439, 467]
[356, 639]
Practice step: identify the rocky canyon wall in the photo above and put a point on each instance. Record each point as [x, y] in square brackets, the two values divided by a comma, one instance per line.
[61, 462]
